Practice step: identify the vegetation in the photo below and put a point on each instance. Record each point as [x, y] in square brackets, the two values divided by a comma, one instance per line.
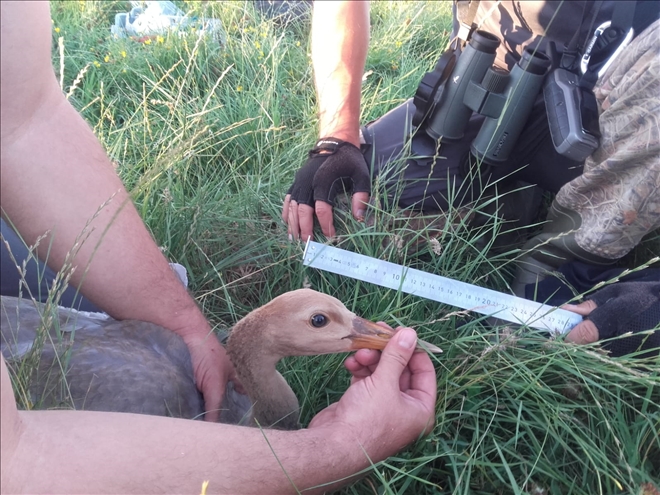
[208, 133]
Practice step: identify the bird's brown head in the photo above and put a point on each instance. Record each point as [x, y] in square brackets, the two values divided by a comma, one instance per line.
[305, 322]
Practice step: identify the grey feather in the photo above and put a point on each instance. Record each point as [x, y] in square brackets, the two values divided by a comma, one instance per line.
[96, 363]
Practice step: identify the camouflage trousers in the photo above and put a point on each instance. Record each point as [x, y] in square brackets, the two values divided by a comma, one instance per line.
[618, 195]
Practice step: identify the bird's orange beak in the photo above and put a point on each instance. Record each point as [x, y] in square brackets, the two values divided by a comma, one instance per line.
[366, 334]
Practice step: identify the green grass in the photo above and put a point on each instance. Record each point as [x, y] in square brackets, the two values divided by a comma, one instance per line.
[208, 138]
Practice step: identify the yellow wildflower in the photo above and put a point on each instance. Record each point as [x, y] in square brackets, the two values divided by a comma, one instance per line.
[160, 39]
[96, 63]
[106, 59]
[297, 43]
[239, 88]
[398, 44]
[147, 42]
[57, 30]
[257, 45]
[123, 54]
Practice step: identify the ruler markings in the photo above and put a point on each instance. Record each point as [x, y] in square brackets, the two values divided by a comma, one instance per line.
[437, 288]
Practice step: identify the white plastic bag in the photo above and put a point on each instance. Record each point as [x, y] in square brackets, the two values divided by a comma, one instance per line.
[158, 17]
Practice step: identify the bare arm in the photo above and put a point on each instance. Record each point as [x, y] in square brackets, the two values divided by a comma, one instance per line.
[55, 178]
[340, 39]
[389, 404]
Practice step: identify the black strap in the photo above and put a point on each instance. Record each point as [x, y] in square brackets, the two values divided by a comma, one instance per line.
[608, 41]
[572, 49]
[623, 15]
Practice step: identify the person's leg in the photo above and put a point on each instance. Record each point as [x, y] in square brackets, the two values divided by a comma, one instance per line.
[434, 179]
[416, 172]
[10, 426]
[37, 280]
[601, 215]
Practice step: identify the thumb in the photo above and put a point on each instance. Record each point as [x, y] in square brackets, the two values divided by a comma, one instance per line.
[396, 355]
[584, 332]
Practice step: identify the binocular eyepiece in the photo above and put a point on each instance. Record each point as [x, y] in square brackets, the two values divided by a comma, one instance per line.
[504, 98]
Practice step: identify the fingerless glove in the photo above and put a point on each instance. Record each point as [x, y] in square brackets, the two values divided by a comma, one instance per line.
[628, 307]
[333, 166]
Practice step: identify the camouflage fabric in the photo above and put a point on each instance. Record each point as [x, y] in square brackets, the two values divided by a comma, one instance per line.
[618, 194]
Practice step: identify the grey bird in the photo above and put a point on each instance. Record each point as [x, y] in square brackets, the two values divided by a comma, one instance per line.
[93, 362]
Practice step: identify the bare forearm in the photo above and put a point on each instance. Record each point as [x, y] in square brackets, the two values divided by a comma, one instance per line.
[57, 178]
[122, 453]
[63, 183]
[340, 38]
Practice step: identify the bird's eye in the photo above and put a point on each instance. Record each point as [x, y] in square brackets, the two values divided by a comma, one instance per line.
[319, 320]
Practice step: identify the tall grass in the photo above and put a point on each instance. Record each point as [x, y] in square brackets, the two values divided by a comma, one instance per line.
[208, 136]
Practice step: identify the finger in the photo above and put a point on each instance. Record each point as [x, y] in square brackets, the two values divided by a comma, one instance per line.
[212, 400]
[583, 308]
[396, 355]
[362, 359]
[422, 376]
[285, 208]
[404, 380]
[294, 229]
[324, 214]
[306, 222]
[362, 364]
[360, 374]
[367, 357]
[584, 332]
[359, 205]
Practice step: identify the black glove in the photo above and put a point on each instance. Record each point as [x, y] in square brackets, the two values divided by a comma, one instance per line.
[324, 175]
[628, 307]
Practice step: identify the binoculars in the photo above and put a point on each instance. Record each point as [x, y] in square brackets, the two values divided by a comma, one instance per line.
[504, 98]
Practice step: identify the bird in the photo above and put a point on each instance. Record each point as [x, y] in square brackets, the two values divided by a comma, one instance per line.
[97, 363]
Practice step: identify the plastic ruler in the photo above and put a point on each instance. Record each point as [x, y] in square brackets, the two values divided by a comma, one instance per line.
[437, 288]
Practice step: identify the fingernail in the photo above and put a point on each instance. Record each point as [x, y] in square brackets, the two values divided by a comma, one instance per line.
[407, 338]
[360, 215]
[290, 237]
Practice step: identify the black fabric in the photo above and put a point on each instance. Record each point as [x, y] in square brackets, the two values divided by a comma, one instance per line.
[38, 277]
[427, 176]
[628, 307]
[646, 13]
[333, 166]
[577, 277]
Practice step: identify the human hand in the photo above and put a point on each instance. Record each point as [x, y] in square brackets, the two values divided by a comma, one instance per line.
[212, 369]
[333, 165]
[625, 307]
[391, 400]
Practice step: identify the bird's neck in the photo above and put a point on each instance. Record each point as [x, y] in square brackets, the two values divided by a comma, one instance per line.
[251, 352]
